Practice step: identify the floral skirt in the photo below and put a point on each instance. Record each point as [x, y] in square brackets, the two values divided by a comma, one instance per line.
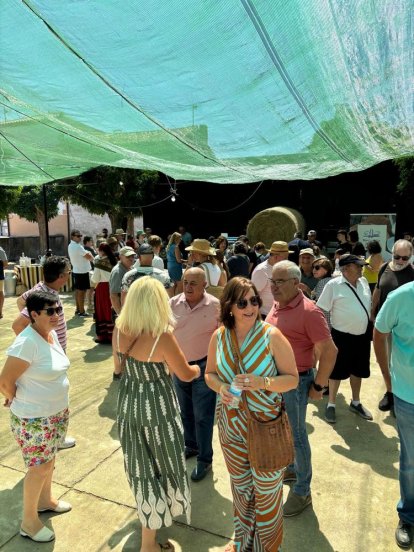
[38, 438]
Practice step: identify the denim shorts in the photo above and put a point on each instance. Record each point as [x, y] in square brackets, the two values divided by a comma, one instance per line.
[38, 438]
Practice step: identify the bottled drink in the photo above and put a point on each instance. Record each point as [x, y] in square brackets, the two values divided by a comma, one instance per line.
[236, 391]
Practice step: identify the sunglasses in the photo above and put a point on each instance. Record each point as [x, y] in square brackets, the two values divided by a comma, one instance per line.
[317, 267]
[50, 311]
[77, 235]
[402, 257]
[254, 301]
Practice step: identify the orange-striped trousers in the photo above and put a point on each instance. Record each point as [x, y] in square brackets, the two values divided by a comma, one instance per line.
[257, 496]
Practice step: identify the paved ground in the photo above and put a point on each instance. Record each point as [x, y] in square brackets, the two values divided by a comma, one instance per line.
[355, 485]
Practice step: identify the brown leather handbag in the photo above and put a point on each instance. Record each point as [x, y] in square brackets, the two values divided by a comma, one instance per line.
[269, 444]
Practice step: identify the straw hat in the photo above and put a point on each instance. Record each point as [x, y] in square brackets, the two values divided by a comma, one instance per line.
[119, 231]
[279, 247]
[202, 246]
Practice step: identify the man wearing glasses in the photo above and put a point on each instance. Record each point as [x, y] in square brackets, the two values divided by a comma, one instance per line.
[279, 251]
[56, 271]
[392, 275]
[80, 259]
[305, 327]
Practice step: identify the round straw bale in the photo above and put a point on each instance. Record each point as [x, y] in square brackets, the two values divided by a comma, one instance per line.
[274, 224]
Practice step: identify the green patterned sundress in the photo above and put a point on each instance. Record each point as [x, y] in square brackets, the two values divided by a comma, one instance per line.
[152, 439]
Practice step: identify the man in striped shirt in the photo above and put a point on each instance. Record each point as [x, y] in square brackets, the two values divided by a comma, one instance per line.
[56, 271]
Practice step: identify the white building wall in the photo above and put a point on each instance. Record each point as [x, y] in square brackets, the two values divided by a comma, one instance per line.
[91, 225]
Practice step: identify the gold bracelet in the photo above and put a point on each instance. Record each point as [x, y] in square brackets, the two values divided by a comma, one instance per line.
[266, 382]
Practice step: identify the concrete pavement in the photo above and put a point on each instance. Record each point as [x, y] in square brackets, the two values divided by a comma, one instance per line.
[355, 466]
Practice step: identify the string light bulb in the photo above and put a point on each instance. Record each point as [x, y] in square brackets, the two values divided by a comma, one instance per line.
[173, 191]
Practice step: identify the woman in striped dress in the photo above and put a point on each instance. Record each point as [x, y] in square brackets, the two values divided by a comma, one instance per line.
[270, 370]
[148, 416]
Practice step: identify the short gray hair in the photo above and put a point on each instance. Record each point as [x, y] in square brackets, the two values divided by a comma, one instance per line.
[403, 243]
[291, 268]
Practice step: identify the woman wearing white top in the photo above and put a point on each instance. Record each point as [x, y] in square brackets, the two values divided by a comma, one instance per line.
[104, 325]
[35, 384]
[203, 255]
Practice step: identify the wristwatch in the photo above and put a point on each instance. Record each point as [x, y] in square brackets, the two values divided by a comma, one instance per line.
[318, 387]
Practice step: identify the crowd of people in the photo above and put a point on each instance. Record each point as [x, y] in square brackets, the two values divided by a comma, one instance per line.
[281, 325]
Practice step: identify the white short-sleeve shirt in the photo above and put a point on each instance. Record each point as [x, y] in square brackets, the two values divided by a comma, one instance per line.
[214, 273]
[43, 389]
[77, 253]
[347, 314]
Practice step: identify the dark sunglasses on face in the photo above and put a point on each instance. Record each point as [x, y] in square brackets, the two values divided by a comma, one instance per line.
[317, 267]
[50, 311]
[242, 303]
[402, 257]
[77, 235]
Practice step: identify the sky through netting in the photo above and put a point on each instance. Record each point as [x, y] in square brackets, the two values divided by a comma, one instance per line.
[215, 90]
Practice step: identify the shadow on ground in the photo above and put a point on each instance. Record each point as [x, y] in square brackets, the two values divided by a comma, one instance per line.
[361, 437]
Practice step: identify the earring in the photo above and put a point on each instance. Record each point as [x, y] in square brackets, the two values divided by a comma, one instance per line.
[231, 314]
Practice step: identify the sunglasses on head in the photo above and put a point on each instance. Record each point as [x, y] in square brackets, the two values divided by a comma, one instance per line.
[402, 257]
[242, 303]
[50, 311]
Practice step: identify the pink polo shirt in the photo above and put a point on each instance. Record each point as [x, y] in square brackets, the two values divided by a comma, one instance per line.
[195, 326]
[303, 324]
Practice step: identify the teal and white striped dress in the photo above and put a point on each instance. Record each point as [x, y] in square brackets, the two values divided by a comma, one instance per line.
[152, 439]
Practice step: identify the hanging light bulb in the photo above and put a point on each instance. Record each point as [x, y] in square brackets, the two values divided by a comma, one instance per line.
[173, 191]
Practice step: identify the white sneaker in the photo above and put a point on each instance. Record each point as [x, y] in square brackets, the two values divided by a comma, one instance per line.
[68, 442]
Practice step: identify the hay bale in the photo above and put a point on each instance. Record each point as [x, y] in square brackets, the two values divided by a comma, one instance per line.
[276, 223]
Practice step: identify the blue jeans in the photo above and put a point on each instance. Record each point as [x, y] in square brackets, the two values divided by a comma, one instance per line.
[197, 404]
[404, 412]
[296, 402]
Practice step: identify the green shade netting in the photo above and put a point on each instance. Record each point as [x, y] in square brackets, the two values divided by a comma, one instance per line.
[216, 90]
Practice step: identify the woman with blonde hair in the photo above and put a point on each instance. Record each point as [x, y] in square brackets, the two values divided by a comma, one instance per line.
[148, 418]
[259, 360]
[175, 261]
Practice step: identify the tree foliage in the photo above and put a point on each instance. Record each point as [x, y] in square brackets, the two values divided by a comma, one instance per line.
[116, 191]
[9, 197]
[30, 202]
[405, 167]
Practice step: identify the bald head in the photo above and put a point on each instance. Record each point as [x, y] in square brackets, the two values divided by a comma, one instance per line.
[195, 272]
[194, 285]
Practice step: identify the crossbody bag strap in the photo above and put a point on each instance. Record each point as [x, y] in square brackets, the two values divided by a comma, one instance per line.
[126, 354]
[359, 299]
[206, 270]
[239, 362]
